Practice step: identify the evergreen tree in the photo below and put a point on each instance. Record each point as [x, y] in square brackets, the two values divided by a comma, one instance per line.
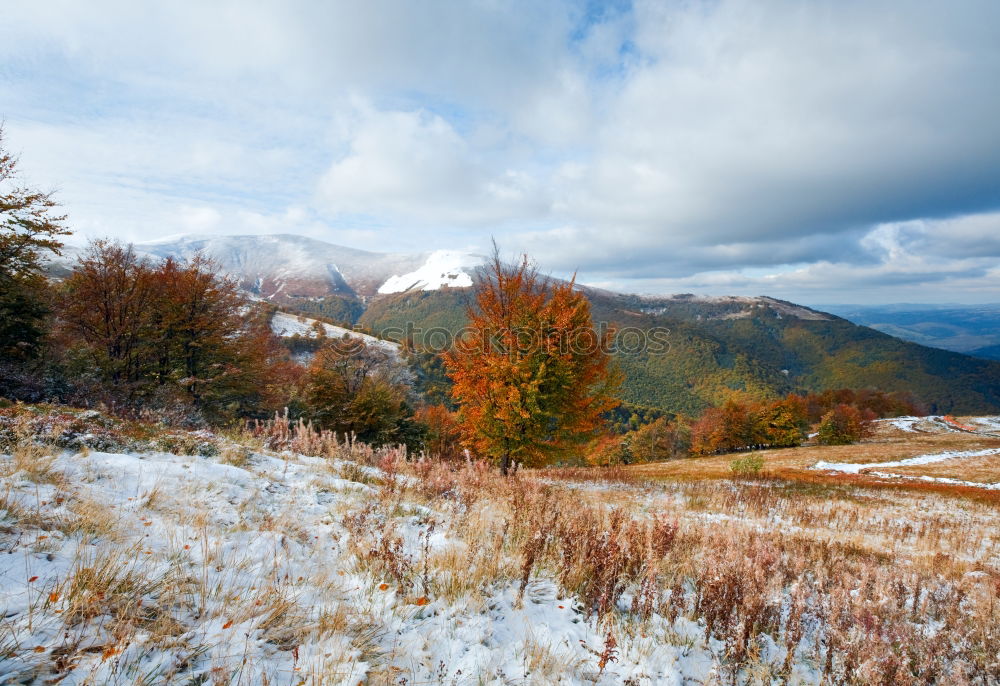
[29, 229]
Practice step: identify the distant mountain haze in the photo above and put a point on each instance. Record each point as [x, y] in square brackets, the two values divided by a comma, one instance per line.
[970, 329]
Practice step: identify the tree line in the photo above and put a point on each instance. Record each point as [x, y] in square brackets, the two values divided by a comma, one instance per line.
[833, 417]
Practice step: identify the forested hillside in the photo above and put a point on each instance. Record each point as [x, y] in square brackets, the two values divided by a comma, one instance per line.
[762, 346]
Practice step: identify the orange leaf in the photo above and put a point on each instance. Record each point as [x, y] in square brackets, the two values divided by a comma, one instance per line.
[227, 624]
[53, 597]
[383, 587]
[148, 524]
[32, 579]
[39, 649]
[187, 547]
[422, 600]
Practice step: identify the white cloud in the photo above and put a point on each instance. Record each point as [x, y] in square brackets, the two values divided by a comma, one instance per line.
[926, 260]
[776, 145]
[414, 166]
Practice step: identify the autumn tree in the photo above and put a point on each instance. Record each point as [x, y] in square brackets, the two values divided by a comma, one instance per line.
[355, 389]
[531, 376]
[106, 302]
[786, 422]
[842, 425]
[442, 431]
[662, 439]
[29, 229]
[737, 425]
[201, 333]
[173, 333]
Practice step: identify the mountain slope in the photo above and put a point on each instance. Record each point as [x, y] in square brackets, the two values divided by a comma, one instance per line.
[287, 267]
[761, 346]
[990, 352]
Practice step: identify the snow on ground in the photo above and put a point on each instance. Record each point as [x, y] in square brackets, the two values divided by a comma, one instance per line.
[987, 423]
[930, 458]
[284, 324]
[442, 268]
[930, 423]
[255, 581]
[903, 423]
[937, 479]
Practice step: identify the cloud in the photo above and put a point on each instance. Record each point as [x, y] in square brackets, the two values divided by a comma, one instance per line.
[414, 166]
[954, 259]
[761, 121]
[779, 145]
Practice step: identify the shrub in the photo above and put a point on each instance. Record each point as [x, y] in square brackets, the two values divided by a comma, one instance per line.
[748, 466]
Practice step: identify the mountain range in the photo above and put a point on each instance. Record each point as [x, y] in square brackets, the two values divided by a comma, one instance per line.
[970, 329]
[285, 268]
[758, 345]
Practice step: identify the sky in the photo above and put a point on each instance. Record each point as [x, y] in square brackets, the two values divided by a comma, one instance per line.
[822, 151]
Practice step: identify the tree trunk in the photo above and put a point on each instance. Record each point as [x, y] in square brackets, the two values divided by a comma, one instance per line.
[505, 465]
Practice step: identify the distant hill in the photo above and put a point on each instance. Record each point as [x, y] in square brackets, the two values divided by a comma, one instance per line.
[990, 352]
[287, 267]
[961, 328]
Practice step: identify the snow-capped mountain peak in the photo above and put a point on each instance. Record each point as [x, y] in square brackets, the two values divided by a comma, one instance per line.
[287, 267]
[442, 268]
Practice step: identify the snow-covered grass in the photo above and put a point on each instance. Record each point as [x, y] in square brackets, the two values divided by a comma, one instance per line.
[930, 458]
[281, 555]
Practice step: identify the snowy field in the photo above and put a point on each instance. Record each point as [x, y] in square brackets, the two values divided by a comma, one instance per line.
[245, 564]
[256, 582]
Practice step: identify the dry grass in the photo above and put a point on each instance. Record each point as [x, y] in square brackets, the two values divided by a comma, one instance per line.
[770, 558]
[793, 464]
[985, 469]
[33, 462]
[867, 582]
[717, 466]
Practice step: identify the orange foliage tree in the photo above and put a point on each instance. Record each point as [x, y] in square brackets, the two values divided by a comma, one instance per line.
[442, 431]
[532, 377]
[180, 332]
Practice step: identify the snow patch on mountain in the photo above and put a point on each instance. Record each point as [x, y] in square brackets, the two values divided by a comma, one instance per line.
[290, 266]
[442, 268]
[284, 324]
